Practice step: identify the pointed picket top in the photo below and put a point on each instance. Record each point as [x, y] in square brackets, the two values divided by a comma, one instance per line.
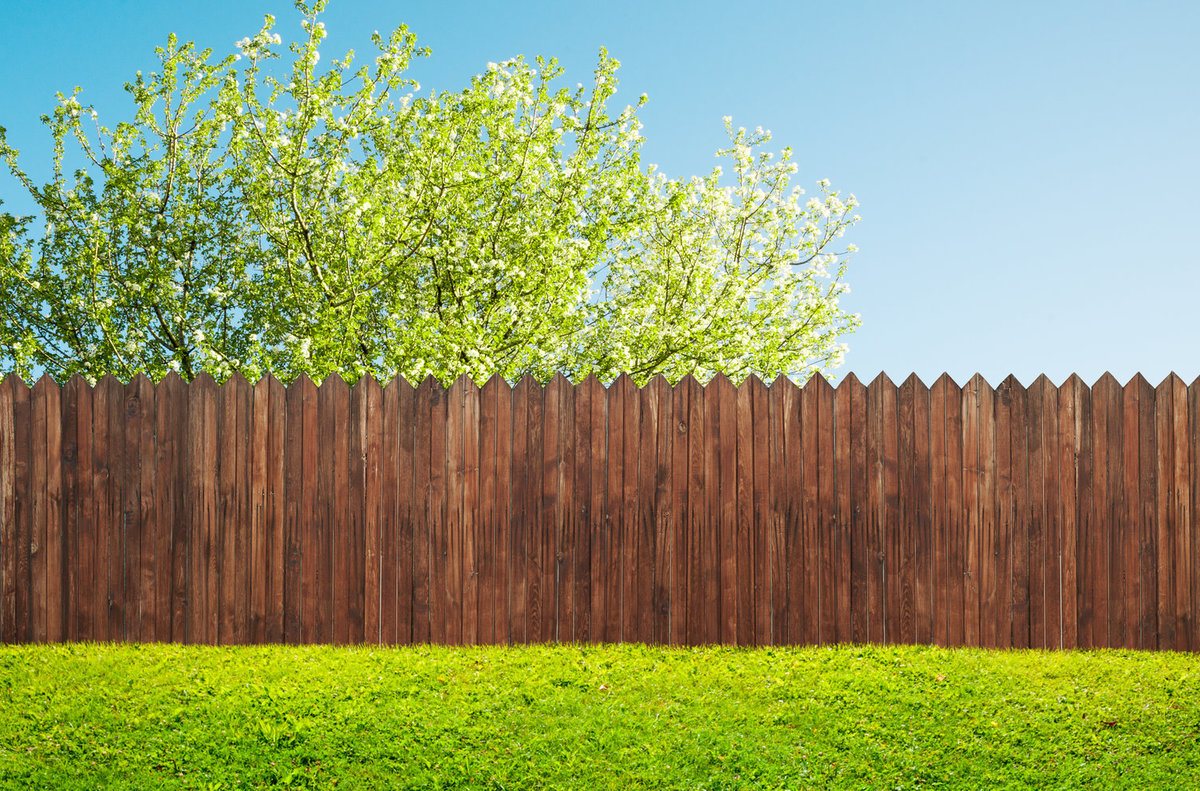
[1042, 387]
[267, 383]
[1041, 382]
[946, 382]
[527, 382]
[778, 381]
[745, 383]
[304, 382]
[366, 386]
[401, 382]
[851, 383]
[592, 384]
[689, 382]
[722, 386]
[78, 382]
[141, 380]
[1138, 385]
[236, 383]
[109, 384]
[1107, 383]
[1172, 381]
[1137, 380]
[495, 383]
[1010, 381]
[755, 384]
[658, 385]
[623, 384]
[559, 383]
[203, 379]
[912, 382]
[45, 382]
[1074, 382]
[818, 383]
[333, 381]
[882, 380]
[172, 380]
[1172, 393]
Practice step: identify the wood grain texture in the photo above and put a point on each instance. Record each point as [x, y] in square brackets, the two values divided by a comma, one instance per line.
[743, 513]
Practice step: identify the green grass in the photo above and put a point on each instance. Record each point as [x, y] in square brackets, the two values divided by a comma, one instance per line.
[90, 716]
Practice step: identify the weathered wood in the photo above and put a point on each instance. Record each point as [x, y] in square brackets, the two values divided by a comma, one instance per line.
[750, 514]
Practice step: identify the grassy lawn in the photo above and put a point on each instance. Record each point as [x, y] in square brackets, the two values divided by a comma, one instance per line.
[89, 716]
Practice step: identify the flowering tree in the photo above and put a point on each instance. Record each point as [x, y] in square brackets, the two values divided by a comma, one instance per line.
[256, 215]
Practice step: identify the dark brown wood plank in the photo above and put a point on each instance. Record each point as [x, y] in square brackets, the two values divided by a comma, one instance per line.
[259, 527]
[724, 442]
[973, 506]
[504, 510]
[45, 547]
[1055, 537]
[425, 517]
[474, 548]
[852, 403]
[489, 590]
[581, 512]
[744, 515]
[660, 534]
[942, 570]
[1164, 524]
[412, 539]
[906, 534]
[777, 546]
[1145, 539]
[681, 523]
[170, 434]
[233, 533]
[598, 526]
[1189, 586]
[760, 444]
[296, 582]
[312, 476]
[396, 513]
[808, 572]
[876, 527]
[1179, 545]
[276, 470]
[828, 536]
[365, 401]
[923, 534]
[712, 622]
[699, 613]
[631, 561]
[442, 612]
[1094, 489]
[18, 576]
[999, 587]
[8, 533]
[38, 565]
[1018, 536]
[140, 442]
[1075, 458]
[76, 454]
[523, 495]
[1123, 558]
[538, 620]
[560, 421]
[1036, 444]
[455, 549]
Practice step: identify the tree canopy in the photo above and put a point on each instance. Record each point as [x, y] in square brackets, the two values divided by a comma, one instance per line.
[270, 211]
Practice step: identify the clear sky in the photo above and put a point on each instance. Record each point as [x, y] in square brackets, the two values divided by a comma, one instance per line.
[1029, 172]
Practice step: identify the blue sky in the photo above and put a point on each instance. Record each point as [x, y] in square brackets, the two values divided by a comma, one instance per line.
[1029, 172]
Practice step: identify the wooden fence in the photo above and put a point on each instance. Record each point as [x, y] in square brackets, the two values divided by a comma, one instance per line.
[1055, 516]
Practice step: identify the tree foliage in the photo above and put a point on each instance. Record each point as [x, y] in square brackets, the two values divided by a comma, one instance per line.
[264, 212]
